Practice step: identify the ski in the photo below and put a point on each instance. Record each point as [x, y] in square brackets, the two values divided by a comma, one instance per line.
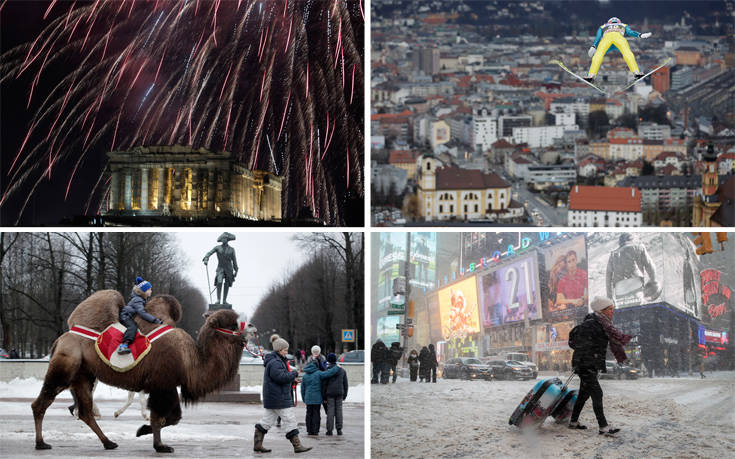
[564, 67]
[622, 90]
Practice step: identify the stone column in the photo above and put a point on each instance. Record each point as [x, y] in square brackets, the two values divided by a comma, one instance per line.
[114, 189]
[211, 188]
[144, 188]
[161, 171]
[128, 193]
[226, 191]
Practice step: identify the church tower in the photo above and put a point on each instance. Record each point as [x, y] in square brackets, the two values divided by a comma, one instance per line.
[706, 201]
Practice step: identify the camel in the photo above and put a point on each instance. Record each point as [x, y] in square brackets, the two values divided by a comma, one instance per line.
[175, 359]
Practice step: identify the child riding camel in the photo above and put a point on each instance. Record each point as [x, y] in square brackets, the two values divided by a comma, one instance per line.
[136, 306]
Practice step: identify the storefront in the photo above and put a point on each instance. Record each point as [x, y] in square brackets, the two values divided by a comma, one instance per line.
[664, 339]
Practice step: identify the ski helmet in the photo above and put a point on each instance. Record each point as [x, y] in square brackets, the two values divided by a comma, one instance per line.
[613, 20]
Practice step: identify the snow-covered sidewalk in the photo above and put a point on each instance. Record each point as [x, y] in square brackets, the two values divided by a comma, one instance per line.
[659, 417]
[205, 430]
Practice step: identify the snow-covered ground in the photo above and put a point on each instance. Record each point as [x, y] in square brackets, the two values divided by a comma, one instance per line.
[30, 388]
[205, 430]
[683, 417]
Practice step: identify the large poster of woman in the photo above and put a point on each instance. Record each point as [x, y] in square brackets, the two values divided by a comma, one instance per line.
[566, 278]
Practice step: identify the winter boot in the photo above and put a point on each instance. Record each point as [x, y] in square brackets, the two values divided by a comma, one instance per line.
[293, 436]
[576, 425]
[339, 431]
[258, 441]
[609, 431]
[123, 349]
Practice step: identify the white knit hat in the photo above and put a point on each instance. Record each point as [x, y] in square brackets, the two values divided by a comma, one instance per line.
[316, 350]
[599, 303]
[279, 344]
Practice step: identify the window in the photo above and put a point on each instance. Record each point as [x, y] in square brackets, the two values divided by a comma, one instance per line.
[441, 208]
[428, 166]
[451, 208]
[465, 208]
[475, 207]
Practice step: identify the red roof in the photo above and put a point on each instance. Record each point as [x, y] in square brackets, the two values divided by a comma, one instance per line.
[392, 117]
[666, 154]
[402, 157]
[502, 143]
[454, 178]
[602, 198]
[626, 140]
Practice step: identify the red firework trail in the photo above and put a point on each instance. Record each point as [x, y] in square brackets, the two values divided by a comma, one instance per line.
[81, 67]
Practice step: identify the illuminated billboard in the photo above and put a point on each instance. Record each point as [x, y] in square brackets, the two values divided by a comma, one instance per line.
[391, 258]
[386, 329]
[510, 293]
[715, 294]
[423, 260]
[564, 280]
[458, 309]
[642, 268]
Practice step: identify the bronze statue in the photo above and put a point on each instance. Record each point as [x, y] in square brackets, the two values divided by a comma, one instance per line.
[226, 265]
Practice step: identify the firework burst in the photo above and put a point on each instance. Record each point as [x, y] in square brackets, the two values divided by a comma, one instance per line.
[278, 83]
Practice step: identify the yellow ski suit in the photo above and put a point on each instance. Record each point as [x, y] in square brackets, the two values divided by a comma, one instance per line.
[610, 37]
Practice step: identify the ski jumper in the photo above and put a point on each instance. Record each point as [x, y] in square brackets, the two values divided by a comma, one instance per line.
[610, 37]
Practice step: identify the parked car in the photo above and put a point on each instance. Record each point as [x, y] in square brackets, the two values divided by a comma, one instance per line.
[523, 359]
[509, 369]
[4, 354]
[352, 356]
[618, 371]
[466, 368]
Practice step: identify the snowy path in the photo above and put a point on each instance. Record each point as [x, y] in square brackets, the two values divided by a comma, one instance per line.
[206, 429]
[662, 417]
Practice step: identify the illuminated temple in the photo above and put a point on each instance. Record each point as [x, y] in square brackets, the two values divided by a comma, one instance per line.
[179, 181]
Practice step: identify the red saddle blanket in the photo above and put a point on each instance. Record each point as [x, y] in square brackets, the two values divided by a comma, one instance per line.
[107, 342]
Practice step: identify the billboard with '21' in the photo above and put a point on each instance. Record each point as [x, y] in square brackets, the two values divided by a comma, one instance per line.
[510, 293]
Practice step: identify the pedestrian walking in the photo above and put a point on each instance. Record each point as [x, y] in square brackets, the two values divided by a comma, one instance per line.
[413, 364]
[589, 341]
[277, 401]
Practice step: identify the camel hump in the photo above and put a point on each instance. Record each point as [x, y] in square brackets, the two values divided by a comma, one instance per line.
[164, 307]
[98, 311]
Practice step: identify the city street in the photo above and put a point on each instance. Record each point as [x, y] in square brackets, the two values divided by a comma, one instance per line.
[661, 417]
[552, 216]
[205, 430]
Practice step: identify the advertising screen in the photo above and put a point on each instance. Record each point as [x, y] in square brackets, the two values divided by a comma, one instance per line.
[386, 329]
[715, 294]
[458, 309]
[564, 280]
[642, 268]
[554, 336]
[423, 260]
[391, 255]
[510, 292]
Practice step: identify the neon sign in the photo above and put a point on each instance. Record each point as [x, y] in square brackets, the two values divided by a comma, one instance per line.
[711, 285]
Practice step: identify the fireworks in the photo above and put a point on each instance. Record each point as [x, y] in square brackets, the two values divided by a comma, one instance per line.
[227, 75]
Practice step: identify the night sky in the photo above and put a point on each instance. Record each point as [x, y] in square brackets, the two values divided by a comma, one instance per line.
[220, 77]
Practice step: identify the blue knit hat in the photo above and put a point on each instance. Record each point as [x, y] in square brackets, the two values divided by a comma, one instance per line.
[143, 285]
[332, 357]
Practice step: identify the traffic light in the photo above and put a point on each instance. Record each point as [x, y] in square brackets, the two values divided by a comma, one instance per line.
[722, 238]
[410, 332]
[410, 308]
[703, 243]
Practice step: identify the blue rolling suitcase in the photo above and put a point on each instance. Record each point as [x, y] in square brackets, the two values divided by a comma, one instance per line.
[549, 397]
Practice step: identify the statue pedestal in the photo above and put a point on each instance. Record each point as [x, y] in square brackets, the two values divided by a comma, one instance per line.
[218, 306]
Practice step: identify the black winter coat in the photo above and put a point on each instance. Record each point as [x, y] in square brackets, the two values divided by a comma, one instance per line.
[336, 386]
[590, 345]
[395, 352]
[379, 353]
[277, 383]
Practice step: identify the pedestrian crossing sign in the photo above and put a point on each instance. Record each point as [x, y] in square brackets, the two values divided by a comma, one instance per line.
[348, 335]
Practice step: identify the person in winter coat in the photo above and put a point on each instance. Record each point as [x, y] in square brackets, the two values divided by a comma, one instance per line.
[317, 357]
[432, 364]
[396, 352]
[277, 401]
[136, 306]
[379, 359]
[334, 391]
[631, 277]
[311, 394]
[589, 341]
[413, 364]
[425, 362]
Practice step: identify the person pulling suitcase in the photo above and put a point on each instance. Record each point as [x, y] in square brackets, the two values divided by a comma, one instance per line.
[589, 341]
